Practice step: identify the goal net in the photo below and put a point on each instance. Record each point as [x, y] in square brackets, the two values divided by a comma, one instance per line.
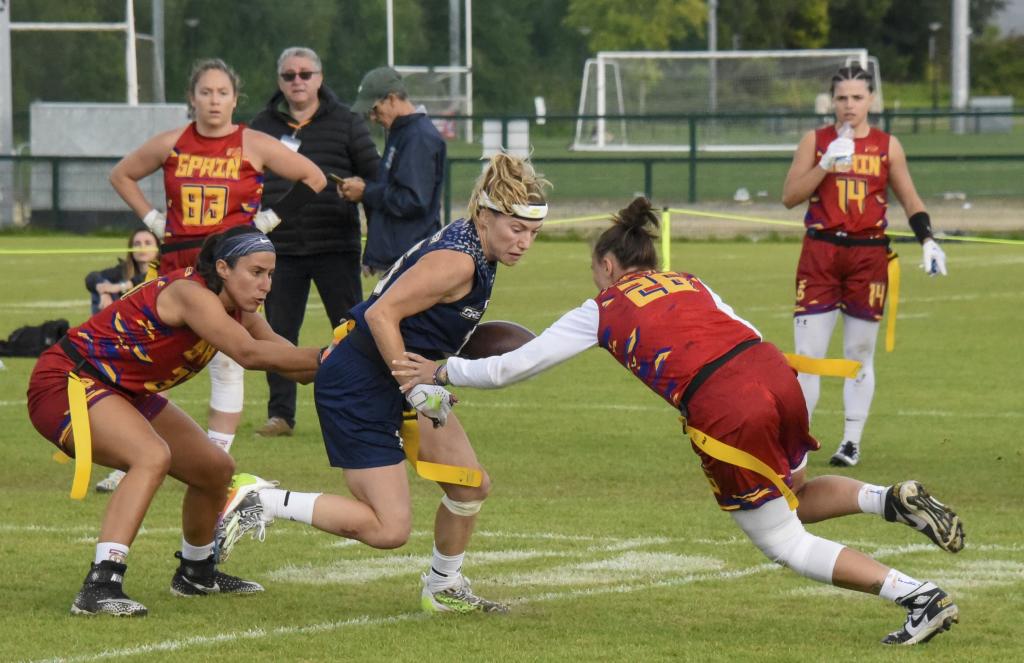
[633, 100]
[445, 93]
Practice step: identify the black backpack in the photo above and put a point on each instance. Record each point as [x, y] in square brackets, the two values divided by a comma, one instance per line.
[31, 341]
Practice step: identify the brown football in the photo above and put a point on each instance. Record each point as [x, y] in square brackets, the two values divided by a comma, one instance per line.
[495, 337]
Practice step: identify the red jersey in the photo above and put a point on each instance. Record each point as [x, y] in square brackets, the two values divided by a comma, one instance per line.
[129, 343]
[854, 201]
[210, 186]
[665, 326]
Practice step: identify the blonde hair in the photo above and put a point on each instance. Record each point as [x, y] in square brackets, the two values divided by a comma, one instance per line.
[508, 181]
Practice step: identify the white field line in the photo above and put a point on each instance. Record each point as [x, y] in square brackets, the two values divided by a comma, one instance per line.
[326, 627]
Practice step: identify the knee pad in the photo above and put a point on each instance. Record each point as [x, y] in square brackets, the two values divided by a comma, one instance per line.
[227, 384]
[462, 508]
[780, 535]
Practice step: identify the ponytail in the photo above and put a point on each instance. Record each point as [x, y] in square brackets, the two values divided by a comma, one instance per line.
[631, 238]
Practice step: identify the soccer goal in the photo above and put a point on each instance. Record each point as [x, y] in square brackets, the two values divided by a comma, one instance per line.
[628, 98]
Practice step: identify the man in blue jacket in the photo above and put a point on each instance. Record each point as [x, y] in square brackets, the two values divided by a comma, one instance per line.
[404, 203]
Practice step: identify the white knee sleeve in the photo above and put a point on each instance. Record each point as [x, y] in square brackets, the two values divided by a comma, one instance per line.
[811, 334]
[780, 535]
[462, 508]
[227, 384]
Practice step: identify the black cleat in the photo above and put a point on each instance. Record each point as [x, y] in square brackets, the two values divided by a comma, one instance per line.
[847, 455]
[199, 578]
[909, 503]
[101, 593]
[930, 611]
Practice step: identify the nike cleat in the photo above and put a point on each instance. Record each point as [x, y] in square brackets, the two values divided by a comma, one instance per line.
[930, 611]
[201, 577]
[457, 598]
[909, 503]
[847, 455]
[243, 513]
[102, 593]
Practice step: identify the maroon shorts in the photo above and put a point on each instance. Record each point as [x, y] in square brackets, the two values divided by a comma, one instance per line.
[753, 403]
[172, 260]
[48, 397]
[854, 279]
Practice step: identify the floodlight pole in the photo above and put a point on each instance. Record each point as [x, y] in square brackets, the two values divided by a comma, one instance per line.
[959, 55]
[713, 46]
[131, 69]
[390, 11]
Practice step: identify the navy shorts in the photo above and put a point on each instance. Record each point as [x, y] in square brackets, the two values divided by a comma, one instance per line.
[360, 410]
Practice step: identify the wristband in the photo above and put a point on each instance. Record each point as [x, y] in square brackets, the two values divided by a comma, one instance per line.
[921, 224]
[441, 381]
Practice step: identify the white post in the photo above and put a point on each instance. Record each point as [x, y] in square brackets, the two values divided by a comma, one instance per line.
[713, 46]
[159, 94]
[390, 5]
[469, 69]
[6, 89]
[601, 105]
[130, 68]
[959, 57]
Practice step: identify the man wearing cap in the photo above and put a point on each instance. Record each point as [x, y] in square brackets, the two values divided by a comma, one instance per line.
[404, 203]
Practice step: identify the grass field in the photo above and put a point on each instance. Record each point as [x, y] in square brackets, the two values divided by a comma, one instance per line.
[600, 530]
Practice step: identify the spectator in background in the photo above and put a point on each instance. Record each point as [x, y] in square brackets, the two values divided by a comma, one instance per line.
[403, 205]
[126, 274]
[320, 244]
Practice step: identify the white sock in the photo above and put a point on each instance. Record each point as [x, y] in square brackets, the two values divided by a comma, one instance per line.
[444, 569]
[897, 585]
[195, 553]
[871, 499]
[858, 344]
[279, 503]
[222, 440]
[108, 550]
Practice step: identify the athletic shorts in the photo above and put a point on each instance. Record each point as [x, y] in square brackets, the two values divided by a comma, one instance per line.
[360, 410]
[854, 279]
[753, 403]
[48, 397]
[173, 260]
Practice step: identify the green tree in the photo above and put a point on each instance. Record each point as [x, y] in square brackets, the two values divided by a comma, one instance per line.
[645, 25]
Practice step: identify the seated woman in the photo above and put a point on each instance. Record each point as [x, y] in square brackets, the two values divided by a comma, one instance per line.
[159, 335]
[104, 284]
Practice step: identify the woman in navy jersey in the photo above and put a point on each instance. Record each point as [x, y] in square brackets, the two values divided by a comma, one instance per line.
[684, 343]
[429, 302]
[159, 335]
[843, 171]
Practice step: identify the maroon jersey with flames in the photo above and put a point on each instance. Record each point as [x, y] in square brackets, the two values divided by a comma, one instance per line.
[853, 201]
[129, 343]
[210, 186]
[665, 326]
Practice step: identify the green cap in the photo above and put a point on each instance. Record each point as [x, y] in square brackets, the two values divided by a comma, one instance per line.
[377, 84]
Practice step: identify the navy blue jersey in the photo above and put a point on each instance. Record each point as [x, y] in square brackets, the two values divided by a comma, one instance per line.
[443, 328]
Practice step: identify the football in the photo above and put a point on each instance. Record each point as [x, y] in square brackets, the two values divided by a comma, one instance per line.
[495, 337]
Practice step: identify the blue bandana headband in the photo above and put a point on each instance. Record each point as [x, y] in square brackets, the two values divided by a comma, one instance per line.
[243, 245]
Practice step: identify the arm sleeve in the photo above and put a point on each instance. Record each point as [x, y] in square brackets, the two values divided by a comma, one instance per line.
[570, 335]
[408, 190]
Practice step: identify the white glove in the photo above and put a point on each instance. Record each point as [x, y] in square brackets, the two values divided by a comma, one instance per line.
[934, 258]
[432, 402]
[156, 222]
[266, 220]
[839, 149]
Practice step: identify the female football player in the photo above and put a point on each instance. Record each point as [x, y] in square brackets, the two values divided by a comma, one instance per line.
[213, 179]
[681, 340]
[843, 170]
[429, 301]
[159, 335]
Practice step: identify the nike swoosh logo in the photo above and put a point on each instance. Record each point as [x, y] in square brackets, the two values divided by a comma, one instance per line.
[212, 589]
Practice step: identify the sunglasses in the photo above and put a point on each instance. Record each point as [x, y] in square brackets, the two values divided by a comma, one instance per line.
[289, 76]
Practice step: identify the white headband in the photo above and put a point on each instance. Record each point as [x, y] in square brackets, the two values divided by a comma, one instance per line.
[525, 212]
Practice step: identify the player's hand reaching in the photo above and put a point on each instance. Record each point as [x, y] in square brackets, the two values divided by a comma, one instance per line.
[433, 402]
[839, 149]
[934, 258]
[416, 370]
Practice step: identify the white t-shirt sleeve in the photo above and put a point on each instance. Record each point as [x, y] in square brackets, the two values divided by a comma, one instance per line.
[570, 335]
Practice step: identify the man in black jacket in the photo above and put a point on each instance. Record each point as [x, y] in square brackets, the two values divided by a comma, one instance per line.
[404, 204]
[323, 243]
